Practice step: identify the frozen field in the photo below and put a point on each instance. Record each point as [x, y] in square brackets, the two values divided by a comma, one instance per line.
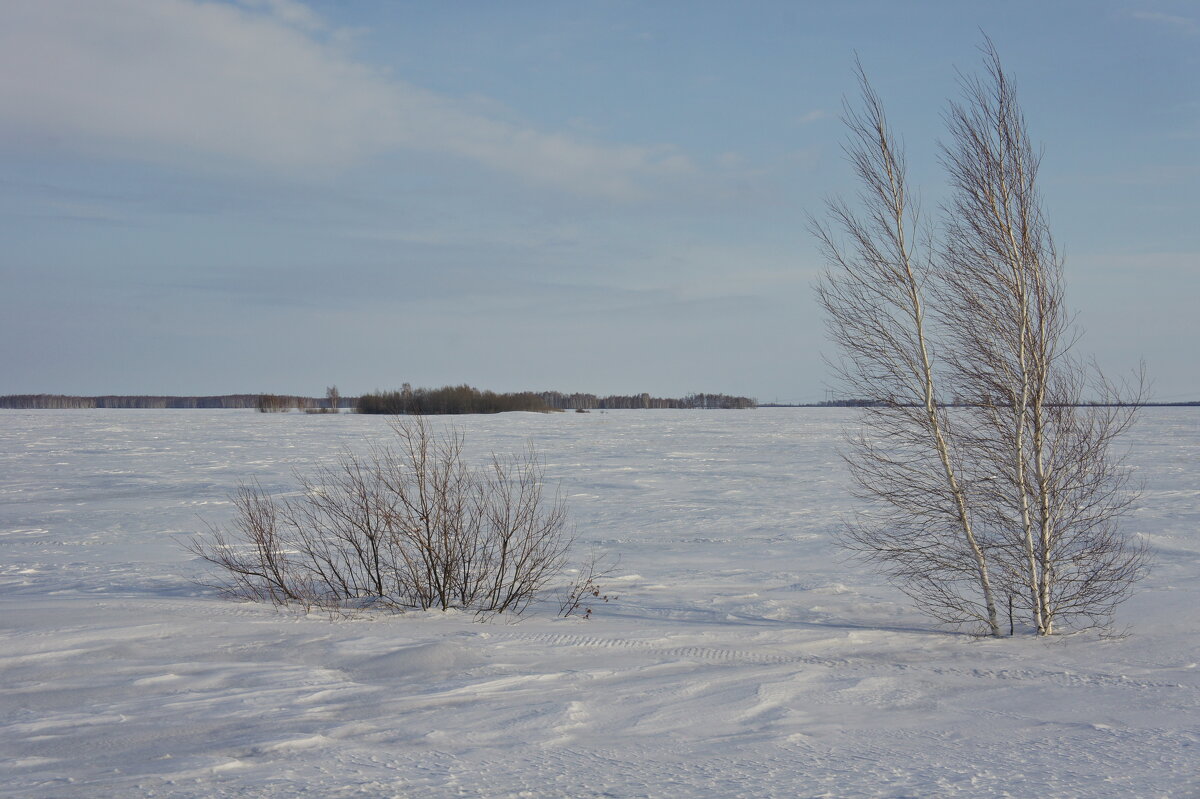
[744, 656]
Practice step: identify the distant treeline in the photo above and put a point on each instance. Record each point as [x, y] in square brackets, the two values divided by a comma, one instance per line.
[866, 403]
[407, 400]
[849, 403]
[568, 402]
[447, 400]
[467, 399]
[39, 401]
[281, 403]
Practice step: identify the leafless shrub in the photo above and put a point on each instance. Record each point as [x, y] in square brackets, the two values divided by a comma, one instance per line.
[406, 526]
[253, 560]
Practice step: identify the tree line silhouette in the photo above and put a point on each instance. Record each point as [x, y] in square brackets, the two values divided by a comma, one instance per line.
[405, 401]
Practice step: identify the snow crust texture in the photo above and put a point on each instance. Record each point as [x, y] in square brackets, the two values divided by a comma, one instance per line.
[743, 657]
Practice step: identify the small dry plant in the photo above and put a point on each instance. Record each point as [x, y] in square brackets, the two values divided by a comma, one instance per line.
[586, 591]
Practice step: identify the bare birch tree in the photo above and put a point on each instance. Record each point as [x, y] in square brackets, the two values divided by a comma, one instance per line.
[1001, 302]
[1054, 488]
[874, 293]
[1016, 492]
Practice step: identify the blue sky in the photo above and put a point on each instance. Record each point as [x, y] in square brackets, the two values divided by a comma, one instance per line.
[212, 197]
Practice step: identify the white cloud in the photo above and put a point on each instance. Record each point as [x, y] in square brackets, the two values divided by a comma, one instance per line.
[264, 82]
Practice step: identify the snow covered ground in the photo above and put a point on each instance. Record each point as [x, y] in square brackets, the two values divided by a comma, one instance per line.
[743, 657]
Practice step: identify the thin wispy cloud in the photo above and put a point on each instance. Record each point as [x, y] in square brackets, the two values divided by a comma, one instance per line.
[1179, 23]
[815, 115]
[265, 83]
[290, 12]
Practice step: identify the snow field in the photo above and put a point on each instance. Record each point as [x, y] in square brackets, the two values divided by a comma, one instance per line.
[744, 656]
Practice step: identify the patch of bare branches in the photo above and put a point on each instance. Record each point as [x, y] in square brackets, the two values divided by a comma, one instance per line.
[410, 525]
